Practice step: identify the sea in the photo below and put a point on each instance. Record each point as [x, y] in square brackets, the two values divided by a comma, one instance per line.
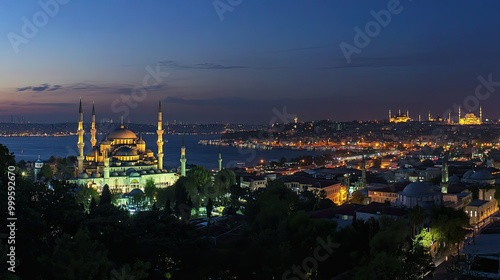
[29, 148]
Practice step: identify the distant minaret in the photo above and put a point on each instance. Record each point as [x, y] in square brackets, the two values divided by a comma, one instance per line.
[429, 116]
[408, 113]
[363, 172]
[399, 112]
[480, 114]
[449, 117]
[80, 143]
[390, 116]
[160, 132]
[220, 161]
[38, 167]
[444, 176]
[459, 114]
[183, 159]
[93, 130]
[419, 118]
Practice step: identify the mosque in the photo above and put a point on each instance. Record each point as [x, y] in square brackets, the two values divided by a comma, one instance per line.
[470, 118]
[399, 117]
[122, 160]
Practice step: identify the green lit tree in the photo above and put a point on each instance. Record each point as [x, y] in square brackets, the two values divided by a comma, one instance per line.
[150, 190]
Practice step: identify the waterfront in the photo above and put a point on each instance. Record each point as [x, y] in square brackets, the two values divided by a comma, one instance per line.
[28, 149]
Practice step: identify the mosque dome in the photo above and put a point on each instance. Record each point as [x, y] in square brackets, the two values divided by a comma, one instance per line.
[94, 151]
[481, 175]
[122, 133]
[114, 174]
[419, 189]
[140, 141]
[83, 175]
[468, 174]
[135, 192]
[125, 151]
[453, 179]
[106, 142]
[143, 172]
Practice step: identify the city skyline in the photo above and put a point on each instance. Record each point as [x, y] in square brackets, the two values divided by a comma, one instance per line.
[241, 61]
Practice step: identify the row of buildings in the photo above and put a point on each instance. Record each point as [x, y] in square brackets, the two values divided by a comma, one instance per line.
[468, 119]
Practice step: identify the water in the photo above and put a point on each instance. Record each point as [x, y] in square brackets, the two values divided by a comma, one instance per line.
[28, 149]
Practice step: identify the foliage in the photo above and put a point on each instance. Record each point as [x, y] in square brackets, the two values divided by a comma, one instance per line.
[357, 197]
[105, 196]
[150, 190]
[76, 257]
[45, 172]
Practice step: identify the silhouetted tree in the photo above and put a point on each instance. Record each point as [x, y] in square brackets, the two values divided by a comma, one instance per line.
[105, 196]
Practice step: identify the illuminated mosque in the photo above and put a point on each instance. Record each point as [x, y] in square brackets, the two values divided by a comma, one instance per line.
[399, 117]
[470, 118]
[122, 160]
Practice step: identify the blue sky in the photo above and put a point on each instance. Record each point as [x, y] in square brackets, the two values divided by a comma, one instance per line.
[259, 56]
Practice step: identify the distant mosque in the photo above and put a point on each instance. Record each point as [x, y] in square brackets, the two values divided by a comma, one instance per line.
[122, 160]
[470, 118]
[399, 117]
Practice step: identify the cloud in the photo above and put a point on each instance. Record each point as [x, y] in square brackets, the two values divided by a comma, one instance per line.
[55, 87]
[23, 88]
[201, 66]
[40, 88]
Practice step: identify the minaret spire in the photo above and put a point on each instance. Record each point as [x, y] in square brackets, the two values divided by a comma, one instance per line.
[480, 114]
[80, 143]
[93, 130]
[220, 159]
[444, 175]
[459, 114]
[363, 171]
[183, 158]
[160, 132]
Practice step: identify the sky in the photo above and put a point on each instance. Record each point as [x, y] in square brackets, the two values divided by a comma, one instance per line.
[242, 61]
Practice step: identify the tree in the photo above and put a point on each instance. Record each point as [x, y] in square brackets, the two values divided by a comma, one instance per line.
[168, 207]
[46, 172]
[105, 196]
[357, 197]
[417, 217]
[76, 257]
[210, 207]
[150, 190]
[84, 196]
[449, 225]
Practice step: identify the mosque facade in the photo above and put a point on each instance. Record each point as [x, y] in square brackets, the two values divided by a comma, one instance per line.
[470, 118]
[399, 117]
[121, 160]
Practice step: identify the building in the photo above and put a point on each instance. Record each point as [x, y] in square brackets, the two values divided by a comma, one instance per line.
[470, 118]
[122, 161]
[384, 193]
[343, 215]
[422, 194]
[399, 117]
[478, 210]
[376, 210]
[334, 190]
[253, 182]
[483, 252]
[480, 177]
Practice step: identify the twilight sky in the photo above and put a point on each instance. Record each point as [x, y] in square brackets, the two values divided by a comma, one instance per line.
[215, 62]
